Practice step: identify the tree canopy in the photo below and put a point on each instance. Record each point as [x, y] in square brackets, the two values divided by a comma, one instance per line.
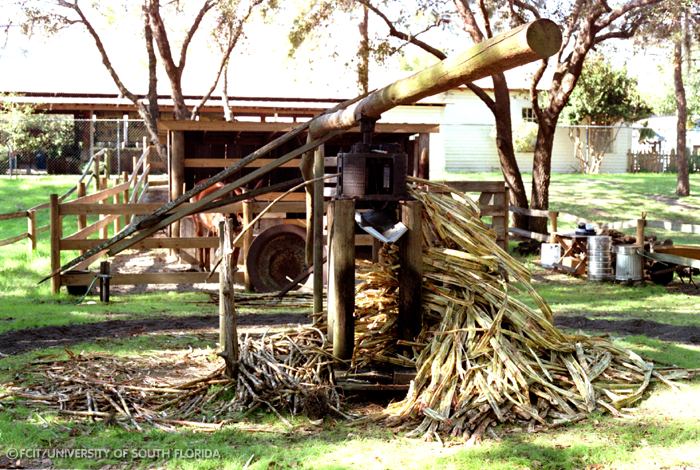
[605, 96]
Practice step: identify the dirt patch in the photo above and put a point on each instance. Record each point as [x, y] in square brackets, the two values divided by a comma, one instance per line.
[20, 341]
[652, 329]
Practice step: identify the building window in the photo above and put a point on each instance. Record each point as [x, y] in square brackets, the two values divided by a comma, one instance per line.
[529, 115]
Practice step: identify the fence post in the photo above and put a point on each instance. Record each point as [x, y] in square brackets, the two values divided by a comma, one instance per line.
[55, 228]
[641, 223]
[247, 241]
[31, 229]
[553, 216]
[96, 171]
[127, 219]
[228, 334]
[108, 163]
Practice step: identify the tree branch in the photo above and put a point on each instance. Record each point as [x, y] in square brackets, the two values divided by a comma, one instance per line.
[470, 24]
[208, 5]
[100, 47]
[485, 16]
[401, 35]
[478, 91]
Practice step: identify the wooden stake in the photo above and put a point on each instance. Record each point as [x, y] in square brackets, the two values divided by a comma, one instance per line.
[31, 230]
[55, 230]
[341, 291]
[641, 223]
[553, 216]
[319, 169]
[410, 271]
[228, 334]
[247, 241]
[104, 281]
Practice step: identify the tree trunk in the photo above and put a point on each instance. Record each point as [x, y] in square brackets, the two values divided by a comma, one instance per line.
[683, 182]
[542, 171]
[506, 152]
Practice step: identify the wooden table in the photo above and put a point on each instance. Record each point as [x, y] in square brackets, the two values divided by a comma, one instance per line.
[574, 253]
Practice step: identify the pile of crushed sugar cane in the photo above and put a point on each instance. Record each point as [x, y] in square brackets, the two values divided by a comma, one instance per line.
[483, 356]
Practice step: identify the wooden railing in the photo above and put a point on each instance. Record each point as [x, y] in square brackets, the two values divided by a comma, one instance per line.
[127, 189]
[93, 171]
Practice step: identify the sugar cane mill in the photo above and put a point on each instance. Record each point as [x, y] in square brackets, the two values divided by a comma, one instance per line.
[440, 314]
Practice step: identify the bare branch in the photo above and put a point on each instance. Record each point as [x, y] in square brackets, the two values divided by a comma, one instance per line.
[479, 92]
[100, 47]
[208, 5]
[234, 35]
[485, 16]
[525, 6]
[534, 92]
[401, 35]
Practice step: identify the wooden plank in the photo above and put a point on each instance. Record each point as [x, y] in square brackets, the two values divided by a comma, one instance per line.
[674, 259]
[149, 243]
[13, 215]
[541, 237]
[136, 208]
[92, 228]
[15, 239]
[99, 196]
[149, 278]
[223, 126]
[492, 211]
[532, 212]
[226, 162]
[687, 251]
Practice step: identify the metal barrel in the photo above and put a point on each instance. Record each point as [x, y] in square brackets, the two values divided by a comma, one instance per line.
[628, 263]
[600, 258]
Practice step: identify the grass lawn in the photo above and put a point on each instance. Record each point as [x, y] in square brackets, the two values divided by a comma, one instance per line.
[663, 431]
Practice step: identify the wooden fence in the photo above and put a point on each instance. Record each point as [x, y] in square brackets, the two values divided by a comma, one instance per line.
[94, 170]
[655, 162]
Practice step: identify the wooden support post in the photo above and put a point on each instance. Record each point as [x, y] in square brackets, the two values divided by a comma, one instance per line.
[228, 334]
[641, 223]
[55, 230]
[410, 271]
[104, 281]
[125, 197]
[177, 173]
[500, 222]
[330, 320]
[104, 231]
[96, 171]
[553, 216]
[506, 203]
[118, 220]
[108, 163]
[319, 170]
[31, 229]
[341, 291]
[247, 241]
[82, 218]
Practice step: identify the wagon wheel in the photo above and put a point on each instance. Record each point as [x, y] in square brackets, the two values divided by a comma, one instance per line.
[277, 256]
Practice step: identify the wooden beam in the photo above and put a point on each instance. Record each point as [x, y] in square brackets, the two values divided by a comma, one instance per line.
[317, 219]
[540, 237]
[99, 196]
[341, 287]
[410, 271]
[174, 243]
[226, 162]
[530, 42]
[475, 186]
[13, 215]
[224, 126]
[137, 209]
[148, 278]
[15, 239]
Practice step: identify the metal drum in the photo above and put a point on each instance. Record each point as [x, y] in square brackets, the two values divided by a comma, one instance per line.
[628, 265]
[600, 259]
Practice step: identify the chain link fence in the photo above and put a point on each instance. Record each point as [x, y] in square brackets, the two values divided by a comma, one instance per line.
[41, 144]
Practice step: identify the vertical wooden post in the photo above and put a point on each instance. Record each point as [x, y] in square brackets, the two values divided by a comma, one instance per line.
[330, 320]
[96, 171]
[319, 169]
[228, 334]
[104, 281]
[246, 242]
[500, 222]
[506, 211]
[108, 163]
[410, 271]
[117, 220]
[55, 228]
[553, 216]
[641, 223]
[125, 196]
[341, 292]
[82, 218]
[31, 230]
[177, 173]
[104, 231]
